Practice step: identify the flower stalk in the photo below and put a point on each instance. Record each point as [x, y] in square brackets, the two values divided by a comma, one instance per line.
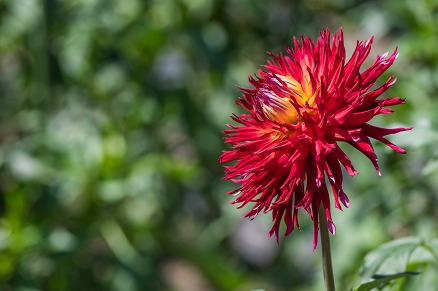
[327, 267]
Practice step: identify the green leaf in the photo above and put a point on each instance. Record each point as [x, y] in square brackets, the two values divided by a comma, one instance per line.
[390, 258]
[382, 280]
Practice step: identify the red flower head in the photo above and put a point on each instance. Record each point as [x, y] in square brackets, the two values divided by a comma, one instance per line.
[300, 107]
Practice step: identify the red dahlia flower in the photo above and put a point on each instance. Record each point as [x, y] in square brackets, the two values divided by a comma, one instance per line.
[300, 107]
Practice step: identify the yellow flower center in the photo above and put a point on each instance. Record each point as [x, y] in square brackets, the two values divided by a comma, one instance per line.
[300, 93]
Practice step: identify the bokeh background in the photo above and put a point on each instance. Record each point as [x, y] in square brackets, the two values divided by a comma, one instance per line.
[110, 126]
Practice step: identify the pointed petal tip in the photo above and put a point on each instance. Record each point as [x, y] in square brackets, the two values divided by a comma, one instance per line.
[402, 151]
[271, 233]
[344, 199]
[331, 227]
[315, 244]
[318, 183]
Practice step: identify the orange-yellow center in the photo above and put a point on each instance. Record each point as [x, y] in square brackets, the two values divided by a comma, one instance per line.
[303, 94]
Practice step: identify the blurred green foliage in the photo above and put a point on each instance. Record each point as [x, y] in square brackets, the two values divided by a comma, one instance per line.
[401, 258]
[110, 126]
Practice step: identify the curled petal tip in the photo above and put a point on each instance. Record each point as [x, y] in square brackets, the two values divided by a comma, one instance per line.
[318, 183]
[331, 227]
[344, 199]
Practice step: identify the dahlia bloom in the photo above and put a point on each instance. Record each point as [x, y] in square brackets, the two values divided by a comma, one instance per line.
[298, 109]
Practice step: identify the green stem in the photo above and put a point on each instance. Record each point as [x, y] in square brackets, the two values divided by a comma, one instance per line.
[326, 253]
